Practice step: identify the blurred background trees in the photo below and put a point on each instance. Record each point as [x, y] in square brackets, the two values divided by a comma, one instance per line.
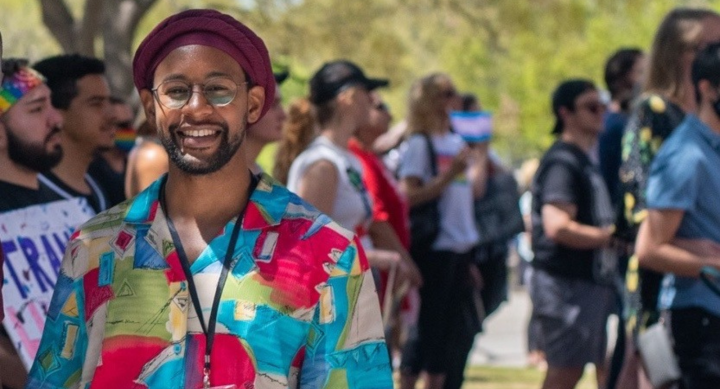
[511, 53]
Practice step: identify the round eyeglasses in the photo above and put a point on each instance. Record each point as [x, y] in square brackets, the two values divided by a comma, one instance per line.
[174, 94]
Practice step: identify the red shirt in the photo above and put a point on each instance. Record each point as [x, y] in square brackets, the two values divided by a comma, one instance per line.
[388, 204]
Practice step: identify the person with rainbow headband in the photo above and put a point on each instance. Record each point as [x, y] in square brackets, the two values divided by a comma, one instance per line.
[29, 144]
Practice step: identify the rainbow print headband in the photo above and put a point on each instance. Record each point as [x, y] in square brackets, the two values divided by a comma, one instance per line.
[17, 86]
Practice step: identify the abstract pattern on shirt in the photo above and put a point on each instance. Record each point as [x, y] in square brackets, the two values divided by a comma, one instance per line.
[299, 308]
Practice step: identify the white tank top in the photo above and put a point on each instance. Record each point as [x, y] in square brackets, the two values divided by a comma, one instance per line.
[352, 208]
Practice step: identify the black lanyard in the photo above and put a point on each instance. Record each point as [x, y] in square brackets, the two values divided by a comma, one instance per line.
[209, 329]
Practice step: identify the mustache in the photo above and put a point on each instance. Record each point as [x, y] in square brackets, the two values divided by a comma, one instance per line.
[176, 126]
[54, 131]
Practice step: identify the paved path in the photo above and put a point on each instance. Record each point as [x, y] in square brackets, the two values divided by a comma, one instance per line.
[503, 343]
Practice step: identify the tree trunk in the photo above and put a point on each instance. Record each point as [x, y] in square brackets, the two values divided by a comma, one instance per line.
[121, 20]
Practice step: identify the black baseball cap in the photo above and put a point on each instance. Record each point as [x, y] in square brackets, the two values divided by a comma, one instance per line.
[280, 77]
[333, 76]
[565, 95]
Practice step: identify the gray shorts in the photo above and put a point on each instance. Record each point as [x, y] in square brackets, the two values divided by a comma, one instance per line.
[573, 316]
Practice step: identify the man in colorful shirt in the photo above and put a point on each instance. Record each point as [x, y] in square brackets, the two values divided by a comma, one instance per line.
[140, 301]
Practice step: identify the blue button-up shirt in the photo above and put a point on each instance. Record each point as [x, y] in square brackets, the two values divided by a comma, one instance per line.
[685, 176]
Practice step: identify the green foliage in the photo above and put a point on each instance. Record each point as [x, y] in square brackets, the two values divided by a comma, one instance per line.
[511, 53]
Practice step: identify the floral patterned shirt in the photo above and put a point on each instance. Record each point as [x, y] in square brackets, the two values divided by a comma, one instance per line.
[298, 310]
[650, 124]
[652, 121]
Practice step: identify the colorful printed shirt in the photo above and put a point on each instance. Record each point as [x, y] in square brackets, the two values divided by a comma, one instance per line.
[650, 124]
[299, 308]
[652, 121]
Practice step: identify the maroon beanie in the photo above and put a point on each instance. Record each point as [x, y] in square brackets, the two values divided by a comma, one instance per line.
[208, 28]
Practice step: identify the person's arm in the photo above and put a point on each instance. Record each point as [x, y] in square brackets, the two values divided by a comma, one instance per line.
[559, 196]
[657, 251]
[65, 334]
[384, 237]
[417, 193]
[478, 171]
[144, 167]
[318, 185]
[561, 227]
[346, 346]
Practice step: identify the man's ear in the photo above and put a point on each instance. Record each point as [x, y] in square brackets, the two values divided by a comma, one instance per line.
[563, 113]
[256, 101]
[148, 102]
[346, 97]
[707, 91]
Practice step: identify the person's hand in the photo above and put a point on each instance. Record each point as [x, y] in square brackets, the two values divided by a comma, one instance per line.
[459, 163]
[384, 260]
[476, 278]
[409, 271]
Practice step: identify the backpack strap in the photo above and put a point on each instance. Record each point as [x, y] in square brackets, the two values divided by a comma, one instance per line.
[433, 155]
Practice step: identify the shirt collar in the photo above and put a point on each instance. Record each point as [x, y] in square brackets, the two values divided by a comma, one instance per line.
[266, 206]
[706, 132]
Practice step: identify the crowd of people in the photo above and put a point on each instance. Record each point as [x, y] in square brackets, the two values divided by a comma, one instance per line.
[367, 249]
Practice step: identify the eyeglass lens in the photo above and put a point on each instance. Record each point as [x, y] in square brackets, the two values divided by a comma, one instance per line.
[175, 94]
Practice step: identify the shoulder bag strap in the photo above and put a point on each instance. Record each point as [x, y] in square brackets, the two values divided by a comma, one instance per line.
[433, 156]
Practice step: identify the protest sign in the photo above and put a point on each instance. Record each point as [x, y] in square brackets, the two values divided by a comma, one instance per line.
[33, 241]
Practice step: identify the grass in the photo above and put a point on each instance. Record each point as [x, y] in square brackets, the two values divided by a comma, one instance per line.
[485, 377]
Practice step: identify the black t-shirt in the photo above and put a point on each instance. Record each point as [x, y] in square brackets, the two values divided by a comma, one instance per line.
[112, 182]
[564, 176]
[97, 199]
[14, 197]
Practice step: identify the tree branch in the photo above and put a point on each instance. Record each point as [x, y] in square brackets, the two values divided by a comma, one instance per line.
[88, 28]
[57, 18]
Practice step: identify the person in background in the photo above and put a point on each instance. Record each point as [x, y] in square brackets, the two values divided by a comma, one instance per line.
[297, 133]
[328, 176]
[536, 355]
[574, 268]
[268, 129]
[30, 142]
[109, 166]
[623, 76]
[624, 72]
[667, 97]
[389, 211]
[147, 160]
[213, 276]
[80, 91]
[445, 263]
[681, 232]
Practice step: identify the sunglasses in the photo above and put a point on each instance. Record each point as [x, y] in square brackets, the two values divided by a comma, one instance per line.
[594, 107]
[448, 93]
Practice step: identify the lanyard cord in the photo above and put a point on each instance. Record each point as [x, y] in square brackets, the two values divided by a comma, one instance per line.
[209, 329]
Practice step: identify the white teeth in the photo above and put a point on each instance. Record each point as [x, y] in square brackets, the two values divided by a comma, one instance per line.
[198, 133]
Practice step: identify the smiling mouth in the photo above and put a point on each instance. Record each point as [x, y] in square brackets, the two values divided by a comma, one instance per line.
[197, 133]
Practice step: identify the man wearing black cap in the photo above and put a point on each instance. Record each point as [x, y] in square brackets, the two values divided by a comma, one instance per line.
[211, 277]
[572, 229]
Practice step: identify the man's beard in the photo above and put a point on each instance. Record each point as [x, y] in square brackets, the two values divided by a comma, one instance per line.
[227, 149]
[33, 156]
